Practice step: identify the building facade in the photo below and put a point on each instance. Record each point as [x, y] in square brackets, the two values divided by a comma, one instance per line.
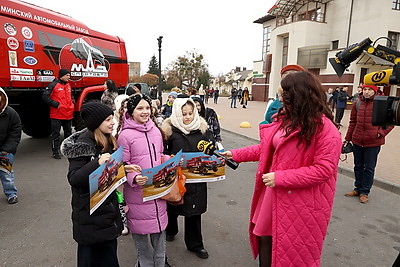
[309, 32]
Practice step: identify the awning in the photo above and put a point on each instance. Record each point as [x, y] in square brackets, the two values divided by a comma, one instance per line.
[366, 58]
[286, 7]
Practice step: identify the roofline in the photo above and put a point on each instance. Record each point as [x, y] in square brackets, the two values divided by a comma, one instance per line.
[264, 19]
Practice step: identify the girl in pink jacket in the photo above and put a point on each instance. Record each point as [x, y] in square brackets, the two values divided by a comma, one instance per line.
[295, 183]
[143, 145]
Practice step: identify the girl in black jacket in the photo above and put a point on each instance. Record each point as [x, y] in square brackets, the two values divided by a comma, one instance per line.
[86, 150]
[183, 130]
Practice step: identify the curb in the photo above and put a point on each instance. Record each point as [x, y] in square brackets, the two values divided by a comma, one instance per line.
[381, 183]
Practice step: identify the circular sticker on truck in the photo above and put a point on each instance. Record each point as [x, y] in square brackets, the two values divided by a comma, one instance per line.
[12, 43]
[10, 29]
[27, 33]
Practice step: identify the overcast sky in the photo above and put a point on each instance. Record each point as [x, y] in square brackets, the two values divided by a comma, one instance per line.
[222, 30]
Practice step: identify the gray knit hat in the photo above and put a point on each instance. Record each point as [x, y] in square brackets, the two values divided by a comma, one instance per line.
[94, 113]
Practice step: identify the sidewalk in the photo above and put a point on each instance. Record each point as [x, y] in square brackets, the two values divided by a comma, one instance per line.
[386, 174]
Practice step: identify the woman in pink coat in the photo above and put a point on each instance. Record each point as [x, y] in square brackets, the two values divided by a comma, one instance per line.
[295, 184]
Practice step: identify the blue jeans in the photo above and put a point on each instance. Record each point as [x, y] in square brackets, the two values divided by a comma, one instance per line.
[365, 159]
[233, 101]
[7, 180]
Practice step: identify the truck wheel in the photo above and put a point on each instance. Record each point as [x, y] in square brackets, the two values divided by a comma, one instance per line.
[36, 124]
[203, 170]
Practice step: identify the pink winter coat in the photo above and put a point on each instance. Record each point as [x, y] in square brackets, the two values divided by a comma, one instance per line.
[302, 199]
[143, 146]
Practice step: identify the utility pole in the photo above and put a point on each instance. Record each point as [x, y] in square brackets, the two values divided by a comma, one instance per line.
[159, 39]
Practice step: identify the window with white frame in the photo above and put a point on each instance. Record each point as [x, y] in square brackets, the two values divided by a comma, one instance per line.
[394, 37]
[266, 41]
[396, 5]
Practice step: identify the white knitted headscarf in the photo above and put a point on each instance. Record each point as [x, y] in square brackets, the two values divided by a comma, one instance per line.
[177, 117]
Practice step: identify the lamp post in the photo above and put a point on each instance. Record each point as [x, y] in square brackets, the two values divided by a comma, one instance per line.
[159, 39]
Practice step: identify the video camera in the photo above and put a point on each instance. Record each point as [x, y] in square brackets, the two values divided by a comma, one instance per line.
[386, 109]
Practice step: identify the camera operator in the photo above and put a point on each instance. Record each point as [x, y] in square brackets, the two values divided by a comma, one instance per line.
[367, 140]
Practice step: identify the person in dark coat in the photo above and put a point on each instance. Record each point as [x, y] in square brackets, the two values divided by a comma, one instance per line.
[10, 136]
[367, 141]
[96, 234]
[211, 118]
[183, 130]
[341, 103]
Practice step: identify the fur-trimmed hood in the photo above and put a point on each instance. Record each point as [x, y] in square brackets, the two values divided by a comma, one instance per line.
[167, 127]
[79, 144]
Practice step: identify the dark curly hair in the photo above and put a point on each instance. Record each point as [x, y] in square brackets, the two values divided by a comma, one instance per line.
[111, 85]
[304, 104]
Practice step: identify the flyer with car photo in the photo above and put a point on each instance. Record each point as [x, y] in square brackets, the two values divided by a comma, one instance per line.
[160, 178]
[105, 179]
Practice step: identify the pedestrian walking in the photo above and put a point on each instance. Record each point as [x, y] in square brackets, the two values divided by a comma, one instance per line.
[234, 94]
[334, 98]
[216, 95]
[367, 140]
[86, 150]
[240, 94]
[245, 98]
[109, 94]
[146, 220]
[296, 177]
[341, 103]
[201, 92]
[10, 136]
[58, 95]
[183, 130]
[207, 94]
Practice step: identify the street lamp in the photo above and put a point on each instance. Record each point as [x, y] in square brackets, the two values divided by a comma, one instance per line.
[159, 39]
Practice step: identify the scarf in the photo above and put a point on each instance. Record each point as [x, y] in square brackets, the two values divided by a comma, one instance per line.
[177, 117]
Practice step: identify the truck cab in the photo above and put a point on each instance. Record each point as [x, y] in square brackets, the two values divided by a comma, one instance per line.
[36, 43]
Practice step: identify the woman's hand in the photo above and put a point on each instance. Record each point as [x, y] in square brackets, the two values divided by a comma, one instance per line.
[132, 168]
[269, 179]
[141, 180]
[227, 154]
[104, 158]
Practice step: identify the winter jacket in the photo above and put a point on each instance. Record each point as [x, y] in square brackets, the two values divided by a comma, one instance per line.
[166, 110]
[341, 101]
[58, 95]
[108, 98]
[211, 118]
[10, 126]
[302, 199]
[361, 131]
[234, 92]
[195, 198]
[105, 222]
[143, 146]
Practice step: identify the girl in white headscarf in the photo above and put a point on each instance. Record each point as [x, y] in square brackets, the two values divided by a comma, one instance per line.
[183, 130]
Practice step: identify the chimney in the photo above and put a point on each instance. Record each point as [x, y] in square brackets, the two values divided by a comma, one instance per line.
[237, 69]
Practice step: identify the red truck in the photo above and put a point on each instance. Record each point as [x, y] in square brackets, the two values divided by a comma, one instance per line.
[35, 43]
[202, 164]
[165, 176]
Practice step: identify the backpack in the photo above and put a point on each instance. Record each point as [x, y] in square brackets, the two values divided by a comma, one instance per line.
[358, 104]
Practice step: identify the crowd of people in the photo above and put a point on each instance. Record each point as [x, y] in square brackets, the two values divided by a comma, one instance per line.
[293, 194]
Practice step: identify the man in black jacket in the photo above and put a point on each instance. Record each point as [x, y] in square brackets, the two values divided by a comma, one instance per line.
[10, 136]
